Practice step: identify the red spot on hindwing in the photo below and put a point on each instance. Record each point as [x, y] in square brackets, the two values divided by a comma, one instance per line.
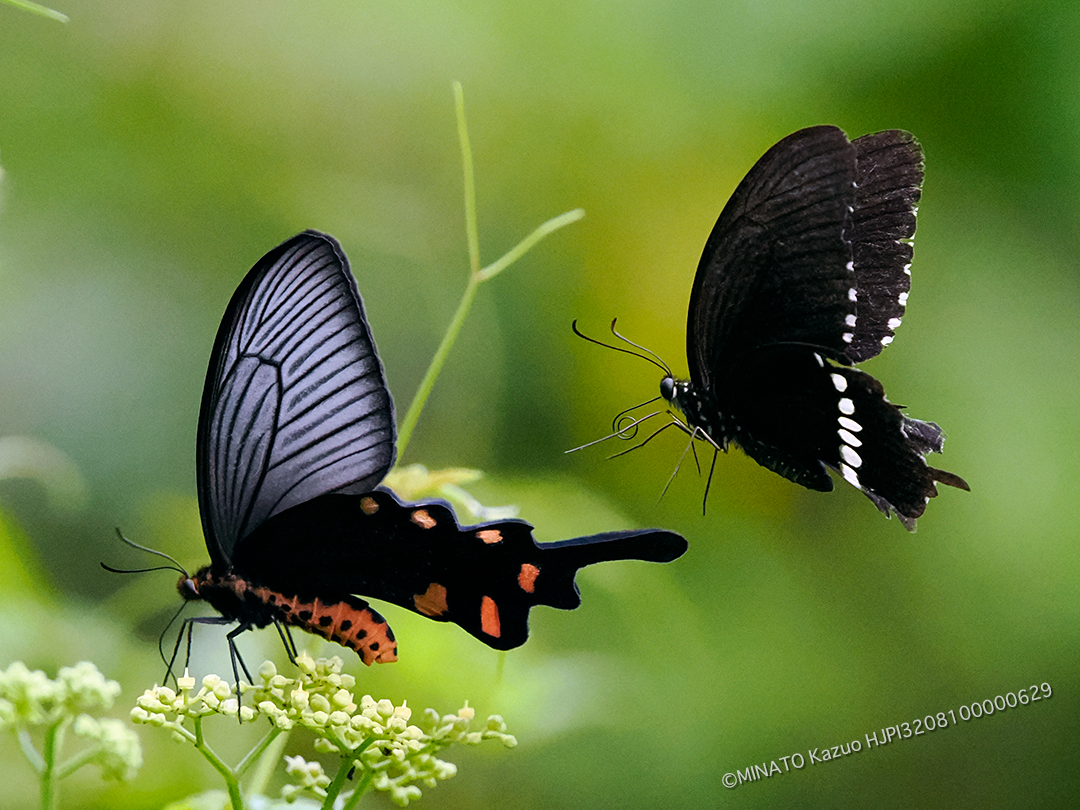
[527, 577]
[422, 518]
[490, 536]
[432, 602]
[489, 617]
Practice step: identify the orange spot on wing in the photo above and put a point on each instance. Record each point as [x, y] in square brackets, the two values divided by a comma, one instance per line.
[489, 617]
[432, 602]
[490, 536]
[422, 519]
[369, 505]
[527, 577]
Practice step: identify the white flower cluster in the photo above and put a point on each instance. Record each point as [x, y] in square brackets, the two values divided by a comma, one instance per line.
[168, 708]
[373, 736]
[30, 699]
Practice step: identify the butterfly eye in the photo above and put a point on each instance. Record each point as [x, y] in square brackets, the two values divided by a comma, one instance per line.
[187, 587]
[667, 388]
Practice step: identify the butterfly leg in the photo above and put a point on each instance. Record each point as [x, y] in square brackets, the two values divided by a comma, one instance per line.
[287, 640]
[234, 654]
[186, 629]
[708, 482]
[678, 465]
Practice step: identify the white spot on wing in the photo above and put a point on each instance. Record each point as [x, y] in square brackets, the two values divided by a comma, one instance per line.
[848, 438]
[839, 382]
[847, 337]
[849, 424]
[820, 362]
[907, 269]
[893, 323]
[846, 406]
[850, 475]
[851, 266]
[850, 456]
[902, 299]
[850, 320]
[853, 295]
[885, 341]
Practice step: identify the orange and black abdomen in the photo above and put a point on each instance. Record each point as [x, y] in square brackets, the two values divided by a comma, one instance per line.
[346, 620]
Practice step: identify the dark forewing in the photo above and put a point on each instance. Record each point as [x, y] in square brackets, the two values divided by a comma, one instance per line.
[889, 184]
[777, 266]
[295, 403]
[484, 578]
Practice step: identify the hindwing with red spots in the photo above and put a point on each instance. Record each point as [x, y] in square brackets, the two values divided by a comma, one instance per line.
[483, 578]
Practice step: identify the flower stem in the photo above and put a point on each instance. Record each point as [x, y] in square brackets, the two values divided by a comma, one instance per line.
[476, 275]
[76, 762]
[31, 753]
[231, 782]
[54, 740]
[272, 745]
[37, 8]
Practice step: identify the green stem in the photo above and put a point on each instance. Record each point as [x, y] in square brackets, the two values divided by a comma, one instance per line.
[526, 244]
[76, 762]
[348, 762]
[54, 741]
[336, 785]
[361, 788]
[36, 8]
[231, 782]
[412, 416]
[31, 754]
[472, 234]
[476, 275]
[261, 775]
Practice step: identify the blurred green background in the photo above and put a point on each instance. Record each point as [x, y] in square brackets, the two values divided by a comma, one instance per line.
[153, 151]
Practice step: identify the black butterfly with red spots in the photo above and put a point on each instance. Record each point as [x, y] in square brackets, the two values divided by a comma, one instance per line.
[296, 432]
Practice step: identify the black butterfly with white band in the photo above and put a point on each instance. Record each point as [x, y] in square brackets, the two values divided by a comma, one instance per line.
[806, 274]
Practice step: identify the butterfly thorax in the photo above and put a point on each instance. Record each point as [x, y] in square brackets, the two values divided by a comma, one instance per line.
[233, 597]
[346, 620]
[699, 407]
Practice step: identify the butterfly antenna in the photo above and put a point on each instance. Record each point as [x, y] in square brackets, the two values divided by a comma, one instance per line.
[644, 442]
[174, 567]
[643, 353]
[615, 423]
[648, 354]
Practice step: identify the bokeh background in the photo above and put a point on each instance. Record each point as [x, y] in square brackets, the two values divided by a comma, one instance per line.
[153, 151]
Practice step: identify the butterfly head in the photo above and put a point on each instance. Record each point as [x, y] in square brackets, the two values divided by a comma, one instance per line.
[683, 395]
[667, 388]
[188, 586]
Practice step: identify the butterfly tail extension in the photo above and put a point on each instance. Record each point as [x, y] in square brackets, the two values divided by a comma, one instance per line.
[882, 451]
[558, 563]
[544, 574]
